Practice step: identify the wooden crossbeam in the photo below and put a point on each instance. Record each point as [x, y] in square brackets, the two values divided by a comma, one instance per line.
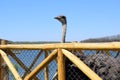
[83, 46]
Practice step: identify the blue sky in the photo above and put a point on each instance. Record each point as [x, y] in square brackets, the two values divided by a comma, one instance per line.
[33, 20]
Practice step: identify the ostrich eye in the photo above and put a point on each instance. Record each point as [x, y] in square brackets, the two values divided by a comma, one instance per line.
[63, 17]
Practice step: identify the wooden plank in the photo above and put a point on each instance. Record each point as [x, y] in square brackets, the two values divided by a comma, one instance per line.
[61, 66]
[83, 46]
[46, 71]
[43, 64]
[10, 65]
[83, 67]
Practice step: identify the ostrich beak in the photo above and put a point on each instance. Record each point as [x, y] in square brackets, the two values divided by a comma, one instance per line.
[56, 18]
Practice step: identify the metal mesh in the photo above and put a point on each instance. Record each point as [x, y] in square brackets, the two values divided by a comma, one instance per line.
[30, 59]
[106, 63]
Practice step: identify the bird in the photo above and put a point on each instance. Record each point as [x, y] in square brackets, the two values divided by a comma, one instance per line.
[63, 20]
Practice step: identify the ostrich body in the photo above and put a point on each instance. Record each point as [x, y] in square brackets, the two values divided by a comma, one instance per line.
[63, 20]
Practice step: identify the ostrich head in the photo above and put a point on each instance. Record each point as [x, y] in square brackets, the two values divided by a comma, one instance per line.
[62, 19]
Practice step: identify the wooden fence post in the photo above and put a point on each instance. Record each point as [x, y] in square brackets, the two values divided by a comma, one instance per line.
[4, 75]
[61, 65]
[46, 71]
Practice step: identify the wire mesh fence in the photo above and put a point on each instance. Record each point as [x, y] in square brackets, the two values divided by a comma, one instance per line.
[106, 63]
[31, 59]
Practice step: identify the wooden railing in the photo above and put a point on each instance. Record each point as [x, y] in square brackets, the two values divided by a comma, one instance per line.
[58, 52]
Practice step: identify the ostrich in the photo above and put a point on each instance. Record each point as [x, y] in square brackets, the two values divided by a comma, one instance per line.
[101, 70]
[63, 20]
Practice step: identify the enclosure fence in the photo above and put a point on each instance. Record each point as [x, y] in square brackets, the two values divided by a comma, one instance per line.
[58, 61]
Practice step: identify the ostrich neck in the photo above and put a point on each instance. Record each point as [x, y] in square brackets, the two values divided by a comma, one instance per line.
[64, 28]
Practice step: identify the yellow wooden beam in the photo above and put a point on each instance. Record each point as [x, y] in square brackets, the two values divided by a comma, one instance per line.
[85, 46]
[61, 66]
[46, 69]
[10, 65]
[83, 67]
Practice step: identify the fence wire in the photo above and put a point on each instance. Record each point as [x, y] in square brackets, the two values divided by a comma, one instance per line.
[106, 63]
[31, 59]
